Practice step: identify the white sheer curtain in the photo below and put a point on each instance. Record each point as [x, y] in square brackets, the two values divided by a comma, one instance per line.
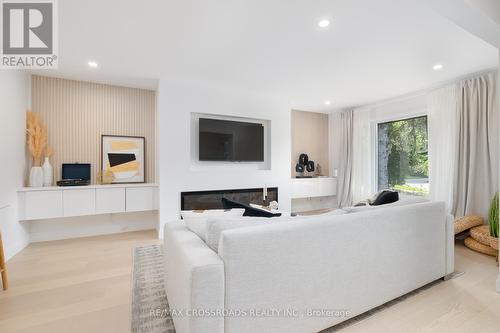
[476, 168]
[342, 150]
[442, 109]
[362, 166]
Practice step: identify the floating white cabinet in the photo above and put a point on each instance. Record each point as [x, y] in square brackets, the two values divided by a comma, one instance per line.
[313, 187]
[79, 202]
[42, 205]
[139, 199]
[53, 202]
[109, 200]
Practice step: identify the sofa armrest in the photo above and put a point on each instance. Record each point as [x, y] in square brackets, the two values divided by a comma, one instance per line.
[194, 281]
[450, 245]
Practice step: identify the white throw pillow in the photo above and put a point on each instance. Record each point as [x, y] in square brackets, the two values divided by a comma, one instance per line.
[196, 221]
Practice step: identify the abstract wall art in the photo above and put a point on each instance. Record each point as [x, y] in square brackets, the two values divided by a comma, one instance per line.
[123, 158]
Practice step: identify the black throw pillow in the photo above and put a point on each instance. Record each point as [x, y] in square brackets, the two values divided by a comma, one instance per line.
[249, 210]
[386, 197]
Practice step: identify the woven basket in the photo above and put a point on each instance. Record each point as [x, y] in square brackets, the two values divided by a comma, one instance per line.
[481, 234]
[474, 245]
[494, 243]
[467, 222]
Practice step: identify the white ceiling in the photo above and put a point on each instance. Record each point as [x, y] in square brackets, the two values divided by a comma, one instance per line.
[373, 50]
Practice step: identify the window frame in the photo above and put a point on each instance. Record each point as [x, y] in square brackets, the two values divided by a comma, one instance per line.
[374, 134]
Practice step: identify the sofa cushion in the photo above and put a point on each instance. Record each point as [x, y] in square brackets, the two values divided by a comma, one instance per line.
[215, 226]
[329, 213]
[249, 211]
[358, 209]
[401, 202]
[196, 220]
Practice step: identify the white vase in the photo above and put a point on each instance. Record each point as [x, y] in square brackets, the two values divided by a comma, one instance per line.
[47, 172]
[36, 177]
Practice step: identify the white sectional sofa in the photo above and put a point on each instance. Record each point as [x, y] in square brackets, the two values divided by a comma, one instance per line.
[293, 276]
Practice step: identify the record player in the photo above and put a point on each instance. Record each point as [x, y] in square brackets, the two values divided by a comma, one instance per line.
[75, 174]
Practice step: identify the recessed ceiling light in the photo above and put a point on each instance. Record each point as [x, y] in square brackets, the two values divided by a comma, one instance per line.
[93, 64]
[328, 102]
[323, 23]
[437, 67]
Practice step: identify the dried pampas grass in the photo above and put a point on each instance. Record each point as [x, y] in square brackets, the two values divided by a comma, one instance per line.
[48, 151]
[36, 137]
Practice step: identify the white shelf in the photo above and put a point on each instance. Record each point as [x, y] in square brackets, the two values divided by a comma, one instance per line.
[37, 203]
[313, 187]
[55, 188]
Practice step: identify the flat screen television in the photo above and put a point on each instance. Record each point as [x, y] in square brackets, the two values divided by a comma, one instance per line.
[225, 140]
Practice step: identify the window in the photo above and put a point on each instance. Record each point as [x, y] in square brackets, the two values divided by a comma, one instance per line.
[403, 156]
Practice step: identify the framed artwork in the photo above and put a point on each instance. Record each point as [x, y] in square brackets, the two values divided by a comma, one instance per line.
[123, 158]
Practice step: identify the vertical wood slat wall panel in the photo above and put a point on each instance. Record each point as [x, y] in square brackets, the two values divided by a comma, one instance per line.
[77, 113]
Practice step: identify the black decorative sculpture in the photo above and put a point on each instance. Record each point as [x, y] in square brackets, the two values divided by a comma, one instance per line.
[303, 159]
[310, 166]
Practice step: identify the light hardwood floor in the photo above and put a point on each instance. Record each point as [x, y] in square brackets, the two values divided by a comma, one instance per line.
[79, 285]
[467, 304]
[83, 285]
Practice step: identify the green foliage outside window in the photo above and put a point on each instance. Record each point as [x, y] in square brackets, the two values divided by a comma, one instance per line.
[403, 154]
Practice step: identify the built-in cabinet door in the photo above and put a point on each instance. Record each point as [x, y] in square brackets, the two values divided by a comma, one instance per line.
[66, 202]
[79, 202]
[327, 186]
[110, 200]
[313, 187]
[139, 199]
[304, 188]
[43, 205]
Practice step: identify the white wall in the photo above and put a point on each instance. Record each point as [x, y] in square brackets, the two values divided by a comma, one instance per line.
[479, 17]
[489, 7]
[498, 105]
[177, 100]
[14, 99]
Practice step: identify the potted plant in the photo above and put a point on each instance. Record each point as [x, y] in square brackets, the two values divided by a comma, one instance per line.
[493, 221]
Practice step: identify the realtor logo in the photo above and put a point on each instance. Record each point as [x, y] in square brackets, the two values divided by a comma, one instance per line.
[29, 34]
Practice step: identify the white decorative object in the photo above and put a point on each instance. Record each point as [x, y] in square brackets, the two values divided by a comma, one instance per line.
[274, 205]
[47, 172]
[335, 172]
[36, 176]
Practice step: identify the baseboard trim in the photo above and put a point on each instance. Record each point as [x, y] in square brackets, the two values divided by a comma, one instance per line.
[453, 275]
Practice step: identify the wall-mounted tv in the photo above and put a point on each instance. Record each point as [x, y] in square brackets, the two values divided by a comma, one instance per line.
[225, 140]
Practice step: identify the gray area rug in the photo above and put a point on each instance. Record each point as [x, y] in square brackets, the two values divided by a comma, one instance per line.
[150, 311]
[149, 299]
